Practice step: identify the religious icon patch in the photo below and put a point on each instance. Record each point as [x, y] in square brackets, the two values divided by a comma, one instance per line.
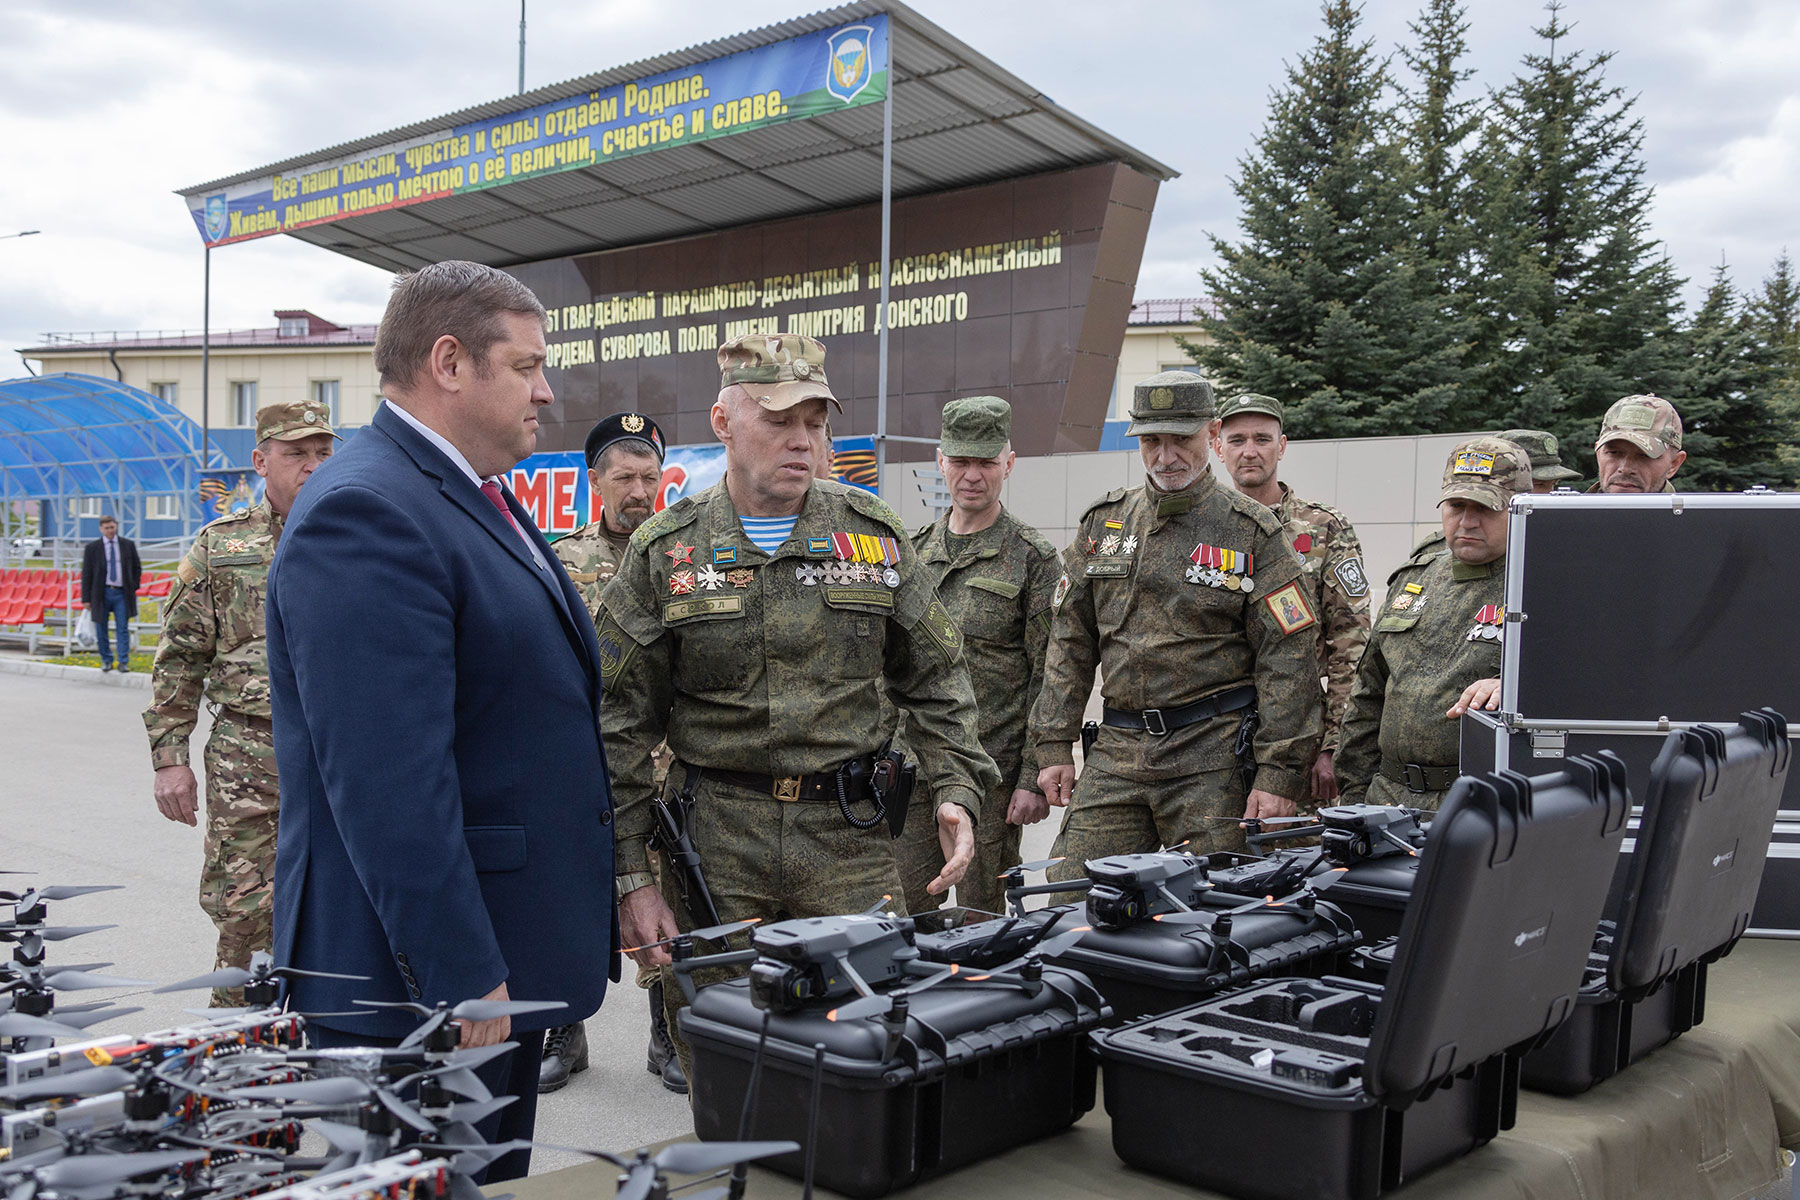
[1289, 608]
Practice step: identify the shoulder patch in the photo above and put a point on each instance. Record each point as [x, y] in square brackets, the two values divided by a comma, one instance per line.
[683, 512]
[942, 631]
[1289, 608]
[873, 506]
[1352, 577]
[1112, 497]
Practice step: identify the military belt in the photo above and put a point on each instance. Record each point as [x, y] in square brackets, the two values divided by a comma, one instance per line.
[1160, 721]
[1418, 778]
[817, 789]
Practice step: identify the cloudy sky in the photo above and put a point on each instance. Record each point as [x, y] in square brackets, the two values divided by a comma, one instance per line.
[107, 106]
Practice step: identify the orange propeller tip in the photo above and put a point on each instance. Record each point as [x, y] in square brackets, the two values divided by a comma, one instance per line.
[832, 1015]
[979, 978]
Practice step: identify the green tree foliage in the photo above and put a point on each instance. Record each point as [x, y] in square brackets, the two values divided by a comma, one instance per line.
[1439, 123]
[1325, 302]
[1774, 315]
[1730, 431]
[1575, 305]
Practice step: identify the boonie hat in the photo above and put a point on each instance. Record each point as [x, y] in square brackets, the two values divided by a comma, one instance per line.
[779, 369]
[292, 420]
[975, 427]
[623, 427]
[1648, 422]
[1487, 470]
[1250, 402]
[1178, 403]
[1541, 447]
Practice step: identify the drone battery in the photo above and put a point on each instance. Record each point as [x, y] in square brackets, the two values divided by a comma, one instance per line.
[1684, 894]
[1153, 966]
[978, 1069]
[1369, 1085]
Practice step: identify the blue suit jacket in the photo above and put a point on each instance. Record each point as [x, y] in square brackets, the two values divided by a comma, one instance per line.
[446, 816]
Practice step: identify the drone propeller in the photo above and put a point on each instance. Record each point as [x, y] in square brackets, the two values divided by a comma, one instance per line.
[1048, 948]
[61, 892]
[475, 1112]
[1039, 865]
[80, 981]
[50, 933]
[1263, 820]
[868, 1006]
[709, 934]
[94, 1081]
[23, 1025]
[237, 977]
[877, 908]
[1286, 903]
[336, 1091]
[100, 1170]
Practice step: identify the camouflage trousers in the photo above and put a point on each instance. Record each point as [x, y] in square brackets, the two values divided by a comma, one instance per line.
[771, 859]
[1110, 814]
[921, 857]
[243, 807]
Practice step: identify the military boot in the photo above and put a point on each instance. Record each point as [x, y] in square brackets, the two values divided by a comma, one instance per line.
[662, 1059]
[565, 1053]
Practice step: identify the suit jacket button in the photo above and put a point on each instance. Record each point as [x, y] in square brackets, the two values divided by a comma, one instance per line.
[606, 816]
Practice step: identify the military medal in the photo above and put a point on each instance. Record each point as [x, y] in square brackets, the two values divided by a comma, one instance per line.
[680, 554]
[711, 578]
[1304, 543]
[1487, 623]
[808, 574]
[724, 556]
[1092, 545]
[1109, 544]
[1129, 545]
[681, 583]
[740, 578]
[1218, 567]
[840, 573]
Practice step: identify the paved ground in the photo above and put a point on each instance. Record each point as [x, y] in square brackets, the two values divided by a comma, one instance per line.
[75, 808]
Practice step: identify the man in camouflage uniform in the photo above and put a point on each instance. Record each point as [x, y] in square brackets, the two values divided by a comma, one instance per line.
[1250, 445]
[995, 575]
[757, 626]
[1547, 470]
[212, 645]
[1190, 600]
[1435, 652]
[624, 456]
[1639, 447]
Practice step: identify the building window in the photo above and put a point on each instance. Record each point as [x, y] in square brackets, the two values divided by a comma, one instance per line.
[243, 402]
[325, 391]
[85, 506]
[1191, 367]
[168, 392]
[293, 327]
[162, 508]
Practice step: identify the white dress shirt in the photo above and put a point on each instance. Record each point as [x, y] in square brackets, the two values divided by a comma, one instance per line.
[456, 456]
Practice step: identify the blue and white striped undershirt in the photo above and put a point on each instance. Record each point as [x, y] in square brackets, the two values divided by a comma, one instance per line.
[768, 532]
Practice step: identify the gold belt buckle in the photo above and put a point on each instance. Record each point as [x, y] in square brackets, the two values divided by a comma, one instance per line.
[787, 788]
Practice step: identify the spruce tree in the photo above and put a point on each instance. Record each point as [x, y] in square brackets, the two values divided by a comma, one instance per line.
[1729, 430]
[1575, 303]
[1440, 123]
[1324, 304]
[1774, 315]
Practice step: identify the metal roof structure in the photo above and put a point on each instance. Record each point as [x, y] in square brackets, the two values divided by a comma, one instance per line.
[959, 119]
[69, 435]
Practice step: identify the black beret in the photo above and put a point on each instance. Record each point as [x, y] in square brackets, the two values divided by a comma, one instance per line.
[620, 427]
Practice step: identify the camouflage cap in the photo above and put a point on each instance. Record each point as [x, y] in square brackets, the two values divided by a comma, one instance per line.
[1250, 402]
[1487, 470]
[292, 420]
[1541, 446]
[1648, 422]
[975, 427]
[1179, 403]
[779, 369]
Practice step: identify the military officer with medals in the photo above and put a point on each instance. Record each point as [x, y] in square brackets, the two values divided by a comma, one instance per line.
[1435, 652]
[624, 454]
[995, 574]
[213, 648]
[757, 626]
[1189, 599]
[1250, 445]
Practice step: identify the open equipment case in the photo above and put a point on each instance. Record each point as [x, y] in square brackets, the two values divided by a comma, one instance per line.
[1336, 1089]
[1631, 616]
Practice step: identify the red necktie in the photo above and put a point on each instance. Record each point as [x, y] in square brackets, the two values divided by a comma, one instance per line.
[491, 490]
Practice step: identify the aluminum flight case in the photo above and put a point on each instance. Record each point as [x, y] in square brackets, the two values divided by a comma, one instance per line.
[1341, 1090]
[1152, 966]
[978, 1069]
[1629, 616]
[1686, 897]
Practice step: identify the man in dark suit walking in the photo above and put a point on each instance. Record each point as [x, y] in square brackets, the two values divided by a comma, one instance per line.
[110, 572]
[424, 648]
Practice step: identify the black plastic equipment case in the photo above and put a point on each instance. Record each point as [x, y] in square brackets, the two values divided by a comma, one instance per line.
[1153, 966]
[978, 1069]
[1340, 1090]
[1688, 890]
[1374, 892]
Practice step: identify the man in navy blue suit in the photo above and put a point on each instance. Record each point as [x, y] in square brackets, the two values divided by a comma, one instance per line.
[446, 817]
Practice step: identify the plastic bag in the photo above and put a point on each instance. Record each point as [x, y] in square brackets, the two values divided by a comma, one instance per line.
[84, 632]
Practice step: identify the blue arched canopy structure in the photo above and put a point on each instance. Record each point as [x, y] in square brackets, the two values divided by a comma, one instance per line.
[66, 439]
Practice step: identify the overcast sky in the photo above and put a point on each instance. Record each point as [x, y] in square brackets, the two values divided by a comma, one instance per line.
[107, 106]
